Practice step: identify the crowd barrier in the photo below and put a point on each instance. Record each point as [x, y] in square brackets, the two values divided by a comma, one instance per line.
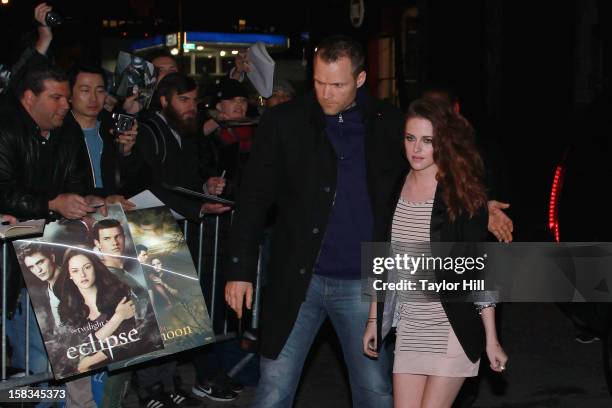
[199, 244]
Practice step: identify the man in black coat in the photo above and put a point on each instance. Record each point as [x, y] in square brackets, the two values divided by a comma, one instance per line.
[166, 143]
[112, 163]
[329, 161]
[43, 162]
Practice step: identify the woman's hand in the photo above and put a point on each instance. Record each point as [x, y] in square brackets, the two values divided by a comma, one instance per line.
[125, 309]
[497, 357]
[369, 339]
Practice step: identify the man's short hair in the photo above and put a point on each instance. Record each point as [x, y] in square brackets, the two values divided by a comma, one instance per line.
[140, 248]
[34, 248]
[175, 83]
[87, 69]
[105, 224]
[34, 77]
[331, 49]
[162, 52]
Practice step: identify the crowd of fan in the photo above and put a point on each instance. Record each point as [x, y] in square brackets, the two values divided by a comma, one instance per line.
[63, 154]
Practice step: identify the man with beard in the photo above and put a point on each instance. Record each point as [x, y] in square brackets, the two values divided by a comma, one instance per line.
[166, 142]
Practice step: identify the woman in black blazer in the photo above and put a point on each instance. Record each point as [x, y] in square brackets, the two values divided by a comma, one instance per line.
[442, 199]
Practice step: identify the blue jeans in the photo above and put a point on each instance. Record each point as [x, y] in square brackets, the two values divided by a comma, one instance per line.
[341, 300]
[16, 333]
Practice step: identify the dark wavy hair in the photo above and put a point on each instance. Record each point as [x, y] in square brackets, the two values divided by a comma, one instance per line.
[460, 167]
[111, 290]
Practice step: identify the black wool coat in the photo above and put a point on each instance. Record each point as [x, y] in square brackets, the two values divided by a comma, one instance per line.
[293, 166]
[465, 233]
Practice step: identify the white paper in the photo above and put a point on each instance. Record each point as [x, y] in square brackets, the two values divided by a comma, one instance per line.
[261, 74]
[29, 227]
[146, 199]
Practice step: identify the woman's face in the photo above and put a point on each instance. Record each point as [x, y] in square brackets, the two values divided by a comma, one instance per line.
[418, 142]
[82, 271]
[157, 265]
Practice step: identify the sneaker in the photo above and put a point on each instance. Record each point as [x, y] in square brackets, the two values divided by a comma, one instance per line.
[228, 382]
[586, 338]
[183, 399]
[210, 389]
[157, 401]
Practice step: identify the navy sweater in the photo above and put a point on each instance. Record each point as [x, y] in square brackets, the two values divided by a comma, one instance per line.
[351, 219]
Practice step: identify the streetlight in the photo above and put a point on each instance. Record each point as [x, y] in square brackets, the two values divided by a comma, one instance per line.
[5, 2]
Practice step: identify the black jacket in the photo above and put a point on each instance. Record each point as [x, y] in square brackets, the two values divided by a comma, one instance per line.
[120, 174]
[465, 232]
[167, 162]
[293, 165]
[23, 190]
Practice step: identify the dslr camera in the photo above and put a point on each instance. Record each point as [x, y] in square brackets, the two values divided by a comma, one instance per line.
[123, 122]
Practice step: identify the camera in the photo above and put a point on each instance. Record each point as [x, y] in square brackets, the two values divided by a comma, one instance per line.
[53, 19]
[123, 122]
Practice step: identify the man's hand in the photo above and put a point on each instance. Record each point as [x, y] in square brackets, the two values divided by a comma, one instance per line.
[128, 139]
[119, 199]
[8, 218]
[110, 102]
[214, 208]
[242, 64]
[71, 206]
[215, 185]
[500, 224]
[209, 126]
[235, 293]
[45, 35]
[131, 105]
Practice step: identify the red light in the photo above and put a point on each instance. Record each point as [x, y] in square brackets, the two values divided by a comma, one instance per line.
[124, 34]
[553, 206]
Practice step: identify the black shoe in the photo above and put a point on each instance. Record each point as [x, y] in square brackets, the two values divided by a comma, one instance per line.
[228, 382]
[183, 399]
[157, 401]
[212, 390]
[586, 338]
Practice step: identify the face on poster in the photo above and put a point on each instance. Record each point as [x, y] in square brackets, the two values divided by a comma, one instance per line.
[89, 293]
[172, 281]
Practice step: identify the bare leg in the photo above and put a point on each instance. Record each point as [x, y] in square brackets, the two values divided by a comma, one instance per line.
[440, 392]
[408, 390]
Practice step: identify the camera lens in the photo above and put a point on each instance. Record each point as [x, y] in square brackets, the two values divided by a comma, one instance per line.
[53, 19]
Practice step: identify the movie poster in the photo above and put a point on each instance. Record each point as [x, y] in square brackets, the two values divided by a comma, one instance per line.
[89, 293]
[172, 280]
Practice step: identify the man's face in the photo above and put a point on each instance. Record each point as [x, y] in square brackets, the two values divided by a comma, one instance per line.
[164, 66]
[181, 110]
[111, 241]
[234, 108]
[41, 266]
[143, 256]
[88, 94]
[49, 107]
[335, 85]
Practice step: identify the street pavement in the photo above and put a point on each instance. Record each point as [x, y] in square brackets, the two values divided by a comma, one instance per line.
[547, 368]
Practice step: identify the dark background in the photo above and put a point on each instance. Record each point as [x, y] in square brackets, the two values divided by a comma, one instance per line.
[526, 72]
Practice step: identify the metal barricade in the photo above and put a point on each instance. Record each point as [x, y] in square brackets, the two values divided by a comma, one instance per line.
[26, 379]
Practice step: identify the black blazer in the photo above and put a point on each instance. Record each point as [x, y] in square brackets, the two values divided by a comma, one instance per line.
[462, 315]
[293, 166]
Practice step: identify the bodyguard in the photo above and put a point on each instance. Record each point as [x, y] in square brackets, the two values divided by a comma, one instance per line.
[329, 161]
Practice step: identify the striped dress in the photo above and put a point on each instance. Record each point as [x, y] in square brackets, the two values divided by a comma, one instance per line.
[426, 343]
